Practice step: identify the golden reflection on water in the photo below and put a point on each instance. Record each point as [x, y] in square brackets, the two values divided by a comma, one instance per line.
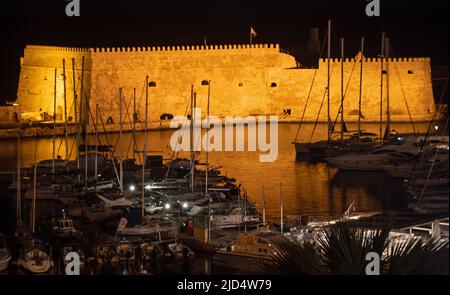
[308, 188]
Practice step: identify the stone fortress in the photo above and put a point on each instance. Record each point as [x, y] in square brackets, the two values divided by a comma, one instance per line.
[257, 79]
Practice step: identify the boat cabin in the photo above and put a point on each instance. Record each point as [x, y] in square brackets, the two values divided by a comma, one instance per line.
[260, 244]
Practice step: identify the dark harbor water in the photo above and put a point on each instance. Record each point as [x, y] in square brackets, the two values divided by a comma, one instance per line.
[309, 189]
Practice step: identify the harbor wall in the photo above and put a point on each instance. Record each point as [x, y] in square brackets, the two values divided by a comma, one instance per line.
[258, 79]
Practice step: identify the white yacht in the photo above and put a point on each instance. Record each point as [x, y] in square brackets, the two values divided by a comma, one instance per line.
[105, 208]
[237, 217]
[378, 158]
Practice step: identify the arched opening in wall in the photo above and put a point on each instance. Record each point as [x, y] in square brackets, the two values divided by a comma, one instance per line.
[240, 84]
[410, 72]
[287, 112]
[384, 72]
[15, 117]
[109, 120]
[273, 84]
[166, 116]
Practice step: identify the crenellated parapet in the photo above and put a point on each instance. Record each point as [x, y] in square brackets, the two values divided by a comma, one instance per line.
[188, 48]
[40, 48]
[376, 60]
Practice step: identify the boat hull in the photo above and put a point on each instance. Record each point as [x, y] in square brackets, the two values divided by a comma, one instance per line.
[4, 262]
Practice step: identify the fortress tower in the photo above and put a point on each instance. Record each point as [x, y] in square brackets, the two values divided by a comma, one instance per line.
[245, 80]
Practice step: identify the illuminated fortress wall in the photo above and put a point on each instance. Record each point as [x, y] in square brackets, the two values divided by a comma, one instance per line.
[245, 80]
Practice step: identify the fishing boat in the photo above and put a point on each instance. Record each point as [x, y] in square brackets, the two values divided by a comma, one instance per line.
[33, 254]
[125, 250]
[249, 253]
[106, 253]
[5, 255]
[65, 228]
[178, 251]
[34, 257]
[146, 250]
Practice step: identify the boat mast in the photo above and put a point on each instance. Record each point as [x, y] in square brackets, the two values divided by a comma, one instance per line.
[342, 88]
[191, 143]
[33, 209]
[381, 85]
[144, 156]
[120, 141]
[96, 145]
[54, 127]
[85, 120]
[328, 82]
[76, 120]
[388, 112]
[19, 196]
[134, 121]
[207, 82]
[66, 135]
[360, 87]
[207, 141]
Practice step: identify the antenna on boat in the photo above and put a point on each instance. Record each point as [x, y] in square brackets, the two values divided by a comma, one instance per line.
[281, 207]
[264, 205]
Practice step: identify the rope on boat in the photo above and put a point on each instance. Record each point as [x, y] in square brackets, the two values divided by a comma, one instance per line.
[310, 89]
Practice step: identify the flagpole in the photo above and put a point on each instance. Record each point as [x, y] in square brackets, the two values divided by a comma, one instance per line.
[250, 35]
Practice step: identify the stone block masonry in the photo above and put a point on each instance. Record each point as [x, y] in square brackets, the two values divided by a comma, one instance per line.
[257, 79]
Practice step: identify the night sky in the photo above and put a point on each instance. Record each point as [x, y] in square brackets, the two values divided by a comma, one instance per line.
[415, 28]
